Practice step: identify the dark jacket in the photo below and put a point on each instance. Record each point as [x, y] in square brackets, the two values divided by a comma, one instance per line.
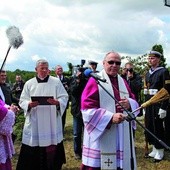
[135, 85]
[9, 99]
[17, 88]
[76, 90]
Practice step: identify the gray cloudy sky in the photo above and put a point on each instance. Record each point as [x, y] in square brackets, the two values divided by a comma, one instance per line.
[64, 31]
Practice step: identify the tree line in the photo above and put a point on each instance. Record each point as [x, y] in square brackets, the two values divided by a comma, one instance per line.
[140, 63]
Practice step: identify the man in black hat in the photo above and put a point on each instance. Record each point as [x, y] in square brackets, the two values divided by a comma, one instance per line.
[154, 115]
[93, 66]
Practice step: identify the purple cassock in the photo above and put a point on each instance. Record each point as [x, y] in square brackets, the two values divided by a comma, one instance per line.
[105, 144]
[7, 118]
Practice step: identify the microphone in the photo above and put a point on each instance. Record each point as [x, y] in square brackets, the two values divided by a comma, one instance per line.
[89, 73]
[14, 36]
[15, 40]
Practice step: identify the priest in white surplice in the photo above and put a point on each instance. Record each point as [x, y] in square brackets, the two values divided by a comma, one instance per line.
[106, 143]
[42, 140]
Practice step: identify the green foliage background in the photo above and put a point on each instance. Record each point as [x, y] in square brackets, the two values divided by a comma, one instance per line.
[140, 66]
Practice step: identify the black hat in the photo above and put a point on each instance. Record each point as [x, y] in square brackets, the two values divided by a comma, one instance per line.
[155, 54]
[92, 62]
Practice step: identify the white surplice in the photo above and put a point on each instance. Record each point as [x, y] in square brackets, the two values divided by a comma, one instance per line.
[43, 124]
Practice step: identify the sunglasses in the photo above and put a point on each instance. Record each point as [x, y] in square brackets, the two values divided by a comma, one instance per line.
[130, 70]
[118, 63]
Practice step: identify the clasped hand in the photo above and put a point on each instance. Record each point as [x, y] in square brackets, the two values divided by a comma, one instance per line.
[53, 101]
[118, 118]
[123, 104]
[14, 108]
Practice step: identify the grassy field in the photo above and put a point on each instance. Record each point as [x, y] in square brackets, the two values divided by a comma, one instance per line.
[72, 164]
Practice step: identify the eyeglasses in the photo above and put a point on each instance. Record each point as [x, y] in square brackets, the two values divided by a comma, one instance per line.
[130, 70]
[118, 63]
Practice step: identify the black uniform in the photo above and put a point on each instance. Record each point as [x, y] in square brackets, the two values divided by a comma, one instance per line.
[155, 80]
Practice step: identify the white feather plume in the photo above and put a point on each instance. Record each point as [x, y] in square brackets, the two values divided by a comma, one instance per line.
[14, 36]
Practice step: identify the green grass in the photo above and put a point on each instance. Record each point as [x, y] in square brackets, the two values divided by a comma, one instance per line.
[72, 164]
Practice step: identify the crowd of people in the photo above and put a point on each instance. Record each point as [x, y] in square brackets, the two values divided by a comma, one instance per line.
[103, 129]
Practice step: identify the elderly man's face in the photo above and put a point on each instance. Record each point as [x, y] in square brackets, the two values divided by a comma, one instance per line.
[112, 64]
[42, 70]
[59, 70]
